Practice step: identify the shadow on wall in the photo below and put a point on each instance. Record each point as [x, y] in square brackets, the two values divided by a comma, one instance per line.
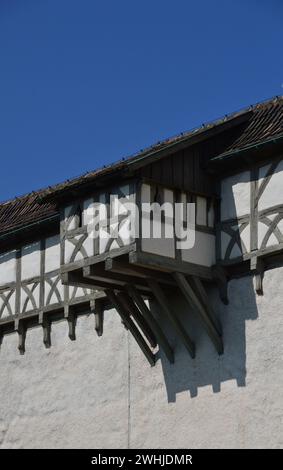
[208, 368]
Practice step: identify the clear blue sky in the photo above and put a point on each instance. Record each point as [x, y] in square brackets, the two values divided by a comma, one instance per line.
[86, 82]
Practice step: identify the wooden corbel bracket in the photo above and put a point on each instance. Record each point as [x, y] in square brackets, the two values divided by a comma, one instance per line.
[257, 266]
[21, 328]
[71, 318]
[44, 321]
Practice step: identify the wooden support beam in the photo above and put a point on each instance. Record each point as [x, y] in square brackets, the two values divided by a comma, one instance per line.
[166, 264]
[119, 267]
[76, 279]
[72, 321]
[109, 278]
[71, 318]
[194, 301]
[46, 327]
[73, 279]
[160, 336]
[131, 326]
[92, 272]
[132, 310]
[163, 302]
[258, 267]
[21, 328]
[97, 307]
[220, 276]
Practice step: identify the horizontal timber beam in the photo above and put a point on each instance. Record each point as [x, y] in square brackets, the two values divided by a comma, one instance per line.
[116, 266]
[169, 265]
[96, 273]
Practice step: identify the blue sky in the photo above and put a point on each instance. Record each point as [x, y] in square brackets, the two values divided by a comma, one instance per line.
[87, 82]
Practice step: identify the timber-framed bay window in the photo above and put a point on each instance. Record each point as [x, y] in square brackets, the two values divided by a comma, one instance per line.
[74, 272]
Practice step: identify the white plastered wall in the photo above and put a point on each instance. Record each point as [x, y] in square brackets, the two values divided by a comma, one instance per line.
[235, 196]
[101, 392]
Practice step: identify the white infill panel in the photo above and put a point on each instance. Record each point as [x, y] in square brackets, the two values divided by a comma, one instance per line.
[235, 196]
[52, 253]
[31, 261]
[7, 267]
[273, 193]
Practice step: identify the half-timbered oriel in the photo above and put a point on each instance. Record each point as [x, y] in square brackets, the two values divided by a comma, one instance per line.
[52, 269]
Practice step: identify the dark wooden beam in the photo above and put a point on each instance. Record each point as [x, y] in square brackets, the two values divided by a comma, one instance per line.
[194, 301]
[73, 279]
[116, 266]
[132, 310]
[257, 266]
[21, 328]
[45, 322]
[160, 336]
[169, 265]
[46, 326]
[131, 326]
[97, 307]
[71, 318]
[76, 279]
[91, 272]
[164, 304]
[97, 274]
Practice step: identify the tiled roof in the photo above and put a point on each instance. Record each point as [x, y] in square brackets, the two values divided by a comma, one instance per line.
[263, 122]
[24, 211]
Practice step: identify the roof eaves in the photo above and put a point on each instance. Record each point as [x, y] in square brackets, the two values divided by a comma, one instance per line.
[226, 155]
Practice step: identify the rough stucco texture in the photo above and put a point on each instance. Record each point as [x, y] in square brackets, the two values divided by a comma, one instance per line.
[101, 393]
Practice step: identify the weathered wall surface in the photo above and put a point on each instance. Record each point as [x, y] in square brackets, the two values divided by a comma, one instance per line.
[101, 393]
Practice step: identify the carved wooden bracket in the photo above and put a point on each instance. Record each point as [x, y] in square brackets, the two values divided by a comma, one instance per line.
[21, 328]
[97, 307]
[72, 322]
[46, 326]
[257, 266]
